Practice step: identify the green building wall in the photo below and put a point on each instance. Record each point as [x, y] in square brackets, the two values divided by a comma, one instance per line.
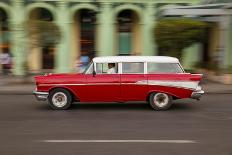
[63, 11]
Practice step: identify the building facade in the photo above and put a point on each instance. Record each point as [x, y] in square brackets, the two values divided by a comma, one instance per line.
[88, 27]
[217, 49]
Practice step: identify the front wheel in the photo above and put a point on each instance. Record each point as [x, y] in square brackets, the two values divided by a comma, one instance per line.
[160, 101]
[60, 99]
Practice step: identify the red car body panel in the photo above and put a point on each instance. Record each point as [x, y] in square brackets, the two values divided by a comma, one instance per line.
[132, 91]
[178, 92]
[102, 87]
[119, 87]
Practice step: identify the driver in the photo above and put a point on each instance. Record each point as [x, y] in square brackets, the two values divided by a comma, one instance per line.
[111, 69]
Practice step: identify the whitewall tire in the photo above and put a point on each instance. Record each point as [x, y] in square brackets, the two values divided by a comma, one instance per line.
[160, 101]
[60, 99]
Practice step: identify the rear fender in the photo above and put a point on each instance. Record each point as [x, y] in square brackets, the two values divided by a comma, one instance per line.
[160, 91]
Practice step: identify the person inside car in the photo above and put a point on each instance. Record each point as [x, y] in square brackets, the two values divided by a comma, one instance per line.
[111, 69]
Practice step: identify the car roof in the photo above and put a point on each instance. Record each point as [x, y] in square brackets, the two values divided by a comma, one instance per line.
[158, 59]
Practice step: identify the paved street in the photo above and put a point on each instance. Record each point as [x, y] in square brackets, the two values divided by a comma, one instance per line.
[26, 126]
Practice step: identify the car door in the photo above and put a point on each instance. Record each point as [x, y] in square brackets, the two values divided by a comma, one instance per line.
[102, 86]
[133, 81]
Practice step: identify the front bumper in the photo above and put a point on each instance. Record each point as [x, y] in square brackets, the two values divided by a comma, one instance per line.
[41, 96]
[197, 94]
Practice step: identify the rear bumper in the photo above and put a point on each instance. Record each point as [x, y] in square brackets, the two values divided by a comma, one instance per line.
[197, 94]
[41, 96]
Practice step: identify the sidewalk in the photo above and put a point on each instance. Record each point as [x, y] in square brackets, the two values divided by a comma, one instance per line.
[13, 85]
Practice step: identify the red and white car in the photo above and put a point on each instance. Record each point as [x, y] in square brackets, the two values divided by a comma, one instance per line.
[155, 79]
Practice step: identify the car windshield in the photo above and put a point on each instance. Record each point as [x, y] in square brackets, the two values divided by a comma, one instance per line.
[87, 68]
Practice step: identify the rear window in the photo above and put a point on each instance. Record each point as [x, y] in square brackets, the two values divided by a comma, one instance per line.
[133, 67]
[163, 68]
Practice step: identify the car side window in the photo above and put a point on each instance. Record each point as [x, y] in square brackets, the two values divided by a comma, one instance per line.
[132, 67]
[107, 68]
[163, 68]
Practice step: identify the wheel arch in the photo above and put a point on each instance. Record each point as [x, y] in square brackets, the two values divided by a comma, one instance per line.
[74, 96]
[158, 91]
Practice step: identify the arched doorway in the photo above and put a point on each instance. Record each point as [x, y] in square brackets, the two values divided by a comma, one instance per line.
[83, 36]
[4, 32]
[42, 57]
[4, 37]
[128, 33]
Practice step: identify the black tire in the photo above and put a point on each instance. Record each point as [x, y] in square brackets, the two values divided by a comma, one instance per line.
[163, 104]
[64, 97]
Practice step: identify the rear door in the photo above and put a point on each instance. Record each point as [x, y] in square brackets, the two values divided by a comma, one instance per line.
[133, 81]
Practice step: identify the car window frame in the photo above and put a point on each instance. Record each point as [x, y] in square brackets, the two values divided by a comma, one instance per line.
[144, 67]
[120, 67]
[183, 71]
[88, 68]
[95, 67]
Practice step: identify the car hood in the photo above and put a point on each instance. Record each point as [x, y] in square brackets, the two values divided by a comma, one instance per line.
[59, 75]
[60, 78]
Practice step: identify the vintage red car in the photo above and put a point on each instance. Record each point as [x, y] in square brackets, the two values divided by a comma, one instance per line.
[155, 79]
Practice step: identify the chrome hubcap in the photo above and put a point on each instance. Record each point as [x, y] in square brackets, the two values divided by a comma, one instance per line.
[59, 99]
[160, 99]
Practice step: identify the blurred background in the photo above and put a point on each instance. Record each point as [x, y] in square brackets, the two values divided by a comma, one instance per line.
[41, 36]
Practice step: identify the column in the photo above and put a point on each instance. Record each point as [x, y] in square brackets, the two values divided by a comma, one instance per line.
[1, 43]
[224, 43]
[105, 41]
[148, 23]
[63, 49]
[230, 44]
[191, 56]
[18, 43]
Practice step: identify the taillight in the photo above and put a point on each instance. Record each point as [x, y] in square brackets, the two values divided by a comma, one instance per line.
[196, 77]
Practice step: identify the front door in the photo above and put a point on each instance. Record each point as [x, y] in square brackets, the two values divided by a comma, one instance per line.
[102, 86]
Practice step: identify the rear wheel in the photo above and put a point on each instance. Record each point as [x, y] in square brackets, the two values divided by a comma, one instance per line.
[60, 99]
[160, 101]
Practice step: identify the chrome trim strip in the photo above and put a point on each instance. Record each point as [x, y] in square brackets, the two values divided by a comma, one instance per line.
[173, 87]
[90, 84]
[135, 83]
[79, 84]
[172, 83]
[59, 84]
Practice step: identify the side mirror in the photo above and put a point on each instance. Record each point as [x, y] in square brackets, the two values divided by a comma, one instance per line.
[94, 73]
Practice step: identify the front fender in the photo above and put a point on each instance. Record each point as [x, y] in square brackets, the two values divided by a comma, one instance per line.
[73, 93]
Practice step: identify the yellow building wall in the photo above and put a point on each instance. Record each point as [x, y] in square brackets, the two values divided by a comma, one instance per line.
[35, 59]
[75, 40]
[214, 38]
[136, 36]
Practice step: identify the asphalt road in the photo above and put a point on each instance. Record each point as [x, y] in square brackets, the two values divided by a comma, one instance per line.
[205, 126]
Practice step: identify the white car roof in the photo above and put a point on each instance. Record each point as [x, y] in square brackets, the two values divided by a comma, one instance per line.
[115, 59]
